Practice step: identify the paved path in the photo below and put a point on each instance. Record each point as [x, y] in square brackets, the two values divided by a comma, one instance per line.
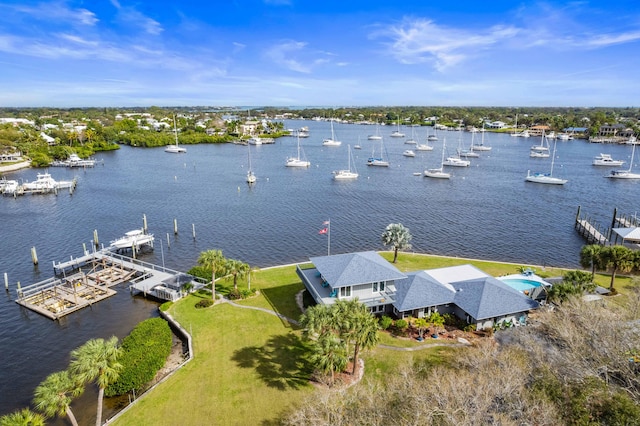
[269, 311]
[421, 347]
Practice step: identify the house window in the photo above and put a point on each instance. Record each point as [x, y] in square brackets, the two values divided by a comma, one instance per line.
[378, 286]
[345, 291]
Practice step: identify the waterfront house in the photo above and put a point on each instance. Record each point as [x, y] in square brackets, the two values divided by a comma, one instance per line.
[464, 291]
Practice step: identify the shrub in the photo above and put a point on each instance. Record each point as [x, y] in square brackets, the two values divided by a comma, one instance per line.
[144, 352]
[235, 294]
[401, 326]
[247, 293]
[165, 306]
[385, 322]
[204, 303]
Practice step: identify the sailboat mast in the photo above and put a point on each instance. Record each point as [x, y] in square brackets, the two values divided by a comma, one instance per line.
[553, 157]
[175, 129]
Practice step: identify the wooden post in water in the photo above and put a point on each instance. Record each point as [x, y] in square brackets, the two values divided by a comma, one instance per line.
[175, 226]
[95, 238]
[34, 256]
[613, 223]
[84, 249]
[193, 228]
[578, 215]
[144, 223]
[6, 282]
[168, 241]
[19, 291]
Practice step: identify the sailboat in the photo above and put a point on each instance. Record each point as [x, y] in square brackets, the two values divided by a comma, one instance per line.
[251, 178]
[469, 153]
[348, 173]
[542, 150]
[378, 161]
[332, 141]
[397, 133]
[377, 135]
[546, 177]
[298, 161]
[434, 136]
[626, 174]
[456, 161]
[515, 132]
[424, 146]
[412, 139]
[175, 149]
[481, 146]
[438, 173]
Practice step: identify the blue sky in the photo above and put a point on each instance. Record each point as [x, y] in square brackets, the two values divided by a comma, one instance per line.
[323, 53]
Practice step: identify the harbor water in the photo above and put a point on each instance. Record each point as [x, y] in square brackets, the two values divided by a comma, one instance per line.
[484, 211]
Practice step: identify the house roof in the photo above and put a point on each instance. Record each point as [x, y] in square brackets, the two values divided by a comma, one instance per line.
[489, 297]
[478, 294]
[342, 270]
[420, 290]
[628, 233]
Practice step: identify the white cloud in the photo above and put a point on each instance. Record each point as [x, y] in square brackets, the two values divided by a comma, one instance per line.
[281, 55]
[58, 12]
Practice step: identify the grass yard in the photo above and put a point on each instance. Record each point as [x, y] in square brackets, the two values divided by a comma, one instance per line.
[250, 366]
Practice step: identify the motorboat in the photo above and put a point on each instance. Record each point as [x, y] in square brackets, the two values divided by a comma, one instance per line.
[9, 186]
[409, 153]
[75, 161]
[45, 183]
[606, 160]
[254, 140]
[432, 138]
[134, 238]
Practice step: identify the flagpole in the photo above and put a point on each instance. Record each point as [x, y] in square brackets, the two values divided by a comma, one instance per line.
[328, 237]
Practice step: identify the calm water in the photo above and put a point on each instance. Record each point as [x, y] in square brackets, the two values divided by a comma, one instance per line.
[485, 211]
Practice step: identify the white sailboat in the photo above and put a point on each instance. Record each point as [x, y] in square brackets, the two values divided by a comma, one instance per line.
[412, 139]
[481, 146]
[251, 177]
[348, 173]
[332, 141]
[376, 136]
[456, 161]
[378, 161]
[469, 153]
[542, 150]
[175, 148]
[397, 133]
[298, 161]
[438, 173]
[626, 174]
[546, 178]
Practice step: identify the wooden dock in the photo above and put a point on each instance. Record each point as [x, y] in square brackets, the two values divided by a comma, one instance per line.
[591, 231]
[94, 276]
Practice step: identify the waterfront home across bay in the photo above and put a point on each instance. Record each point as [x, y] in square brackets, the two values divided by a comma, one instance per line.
[464, 291]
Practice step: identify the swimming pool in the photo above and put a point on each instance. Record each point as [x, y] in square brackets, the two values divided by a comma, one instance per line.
[521, 284]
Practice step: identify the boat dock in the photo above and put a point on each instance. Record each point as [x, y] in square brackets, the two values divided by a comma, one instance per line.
[595, 233]
[94, 276]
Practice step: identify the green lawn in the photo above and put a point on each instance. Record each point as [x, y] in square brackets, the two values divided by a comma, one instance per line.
[250, 366]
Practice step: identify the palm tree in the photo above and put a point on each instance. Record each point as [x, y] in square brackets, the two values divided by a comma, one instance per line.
[357, 326]
[330, 355]
[215, 260]
[396, 235]
[318, 321]
[618, 258]
[53, 396]
[97, 360]
[237, 269]
[24, 417]
[590, 257]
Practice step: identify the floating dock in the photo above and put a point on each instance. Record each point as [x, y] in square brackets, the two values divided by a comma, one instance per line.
[595, 233]
[94, 275]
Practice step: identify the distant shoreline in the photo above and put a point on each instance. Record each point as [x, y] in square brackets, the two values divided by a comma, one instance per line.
[14, 167]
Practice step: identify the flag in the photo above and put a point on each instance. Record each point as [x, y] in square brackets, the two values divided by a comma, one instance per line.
[323, 231]
[326, 222]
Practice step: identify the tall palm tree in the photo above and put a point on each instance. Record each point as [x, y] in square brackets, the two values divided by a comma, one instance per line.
[237, 269]
[97, 360]
[318, 321]
[54, 395]
[618, 258]
[215, 260]
[358, 328]
[396, 235]
[590, 257]
[24, 417]
[330, 355]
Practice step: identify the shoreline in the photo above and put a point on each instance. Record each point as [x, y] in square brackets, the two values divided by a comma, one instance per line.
[14, 167]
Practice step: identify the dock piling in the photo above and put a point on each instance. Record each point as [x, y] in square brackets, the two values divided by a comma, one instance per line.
[144, 223]
[175, 226]
[95, 238]
[6, 282]
[193, 227]
[168, 241]
[34, 256]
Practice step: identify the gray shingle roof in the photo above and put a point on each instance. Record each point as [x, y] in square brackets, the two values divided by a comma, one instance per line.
[484, 298]
[420, 290]
[341, 270]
